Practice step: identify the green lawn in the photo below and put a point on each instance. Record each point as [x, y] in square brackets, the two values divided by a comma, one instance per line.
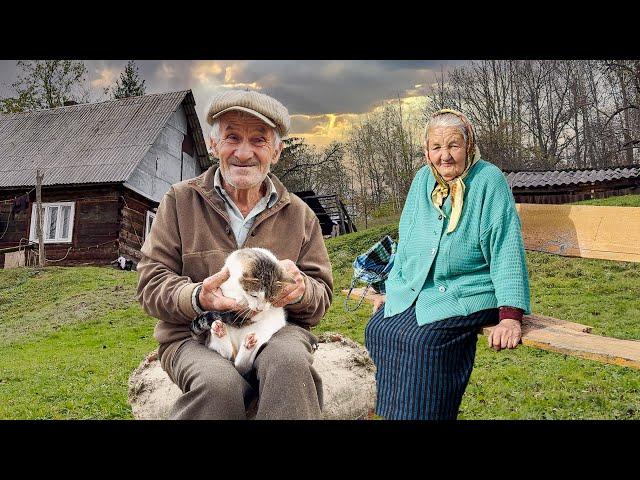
[621, 201]
[70, 337]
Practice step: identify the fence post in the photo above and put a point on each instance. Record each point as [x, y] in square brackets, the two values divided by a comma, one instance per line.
[39, 219]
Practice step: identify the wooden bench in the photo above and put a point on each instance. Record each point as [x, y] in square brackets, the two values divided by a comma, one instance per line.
[548, 333]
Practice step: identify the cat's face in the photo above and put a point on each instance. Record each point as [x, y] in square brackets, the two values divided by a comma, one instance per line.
[260, 277]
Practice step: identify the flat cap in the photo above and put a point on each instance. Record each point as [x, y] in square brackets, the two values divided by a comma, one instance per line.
[266, 108]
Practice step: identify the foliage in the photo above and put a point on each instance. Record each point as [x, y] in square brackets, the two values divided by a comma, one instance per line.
[129, 84]
[547, 114]
[303, 167]
[45, 84]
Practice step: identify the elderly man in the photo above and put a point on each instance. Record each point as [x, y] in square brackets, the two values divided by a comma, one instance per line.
[198, 223]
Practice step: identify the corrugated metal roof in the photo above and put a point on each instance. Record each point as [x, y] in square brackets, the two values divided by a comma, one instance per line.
[569, 177]
[88, 143]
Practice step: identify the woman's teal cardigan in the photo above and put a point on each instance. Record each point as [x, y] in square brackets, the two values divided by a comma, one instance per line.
[480, 265]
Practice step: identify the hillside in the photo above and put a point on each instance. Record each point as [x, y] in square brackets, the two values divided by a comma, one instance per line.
[70, 337]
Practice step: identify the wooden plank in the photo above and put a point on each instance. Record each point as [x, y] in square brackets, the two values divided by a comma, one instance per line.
[609, 233]
[531, 321]
[555, 335]
[542, 321]
[14, 259]
[556, 338]
[17, 247]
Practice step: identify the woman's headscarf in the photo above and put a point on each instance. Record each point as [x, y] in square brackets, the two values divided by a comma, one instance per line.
[456, 186]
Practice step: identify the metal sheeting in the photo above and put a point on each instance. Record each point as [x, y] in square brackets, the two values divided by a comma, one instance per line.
[89, 143]
[567, 177]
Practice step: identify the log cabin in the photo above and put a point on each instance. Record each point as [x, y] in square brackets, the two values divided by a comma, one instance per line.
[106, 167]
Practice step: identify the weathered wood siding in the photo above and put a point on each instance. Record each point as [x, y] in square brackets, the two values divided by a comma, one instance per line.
[15, 227]
[95, 226]
[133, 215]
[575, 193]
[169, 160]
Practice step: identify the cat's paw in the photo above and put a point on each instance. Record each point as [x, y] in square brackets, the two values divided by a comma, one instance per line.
[218, 328]
[250, 341]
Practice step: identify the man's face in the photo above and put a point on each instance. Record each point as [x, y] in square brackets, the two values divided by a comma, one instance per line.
[446, 151]
[246, 150]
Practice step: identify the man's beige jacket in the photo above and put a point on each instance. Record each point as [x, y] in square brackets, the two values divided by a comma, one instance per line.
[191, 238]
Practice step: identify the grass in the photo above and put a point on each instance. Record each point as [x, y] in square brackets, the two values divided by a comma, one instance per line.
[70, 338]
[619, 201]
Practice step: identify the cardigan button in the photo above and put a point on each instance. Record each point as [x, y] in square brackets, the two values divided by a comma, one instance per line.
[439, 217]
[442, 289]
[433, 251]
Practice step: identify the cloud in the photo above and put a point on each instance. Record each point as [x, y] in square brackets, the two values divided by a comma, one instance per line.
[322, 129]
[338, 87]
[106, 77]
[242, 86]
[210, 73]
[166, 70]
[324, 97]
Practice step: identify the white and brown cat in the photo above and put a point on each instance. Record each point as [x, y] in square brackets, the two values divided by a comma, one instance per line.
[256, 280]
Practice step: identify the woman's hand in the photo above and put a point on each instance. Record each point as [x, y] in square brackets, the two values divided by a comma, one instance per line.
[506, 334]
[378, 302]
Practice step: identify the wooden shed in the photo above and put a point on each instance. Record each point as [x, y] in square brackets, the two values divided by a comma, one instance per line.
[567, 186]
[106, 167]
[331, 212]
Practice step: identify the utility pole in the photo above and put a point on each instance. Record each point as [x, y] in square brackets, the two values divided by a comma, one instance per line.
[39, 218]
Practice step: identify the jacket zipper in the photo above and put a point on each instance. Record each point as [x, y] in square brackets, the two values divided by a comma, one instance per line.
[259, 219]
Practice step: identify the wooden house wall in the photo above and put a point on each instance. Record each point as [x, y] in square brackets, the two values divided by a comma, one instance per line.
[95, 225]
[575, 193]
[14, 228]
[133, 216]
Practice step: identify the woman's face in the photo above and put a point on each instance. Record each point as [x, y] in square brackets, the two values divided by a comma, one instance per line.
[447, 151]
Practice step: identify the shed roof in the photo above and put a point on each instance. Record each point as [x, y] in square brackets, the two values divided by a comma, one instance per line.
[89, 143]
[570, 177]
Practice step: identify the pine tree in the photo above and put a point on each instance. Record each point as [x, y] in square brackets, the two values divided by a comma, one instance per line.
[129, 85]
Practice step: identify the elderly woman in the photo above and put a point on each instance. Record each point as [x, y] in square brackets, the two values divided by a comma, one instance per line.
[460, 265]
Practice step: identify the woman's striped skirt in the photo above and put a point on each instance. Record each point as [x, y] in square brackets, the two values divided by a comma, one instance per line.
[423, 371]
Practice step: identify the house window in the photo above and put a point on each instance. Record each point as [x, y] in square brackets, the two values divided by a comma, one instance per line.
[57, 222]
[150, 217]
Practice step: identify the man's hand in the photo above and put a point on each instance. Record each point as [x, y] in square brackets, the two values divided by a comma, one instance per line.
[291, 293]
[506, 334]
[211, 297]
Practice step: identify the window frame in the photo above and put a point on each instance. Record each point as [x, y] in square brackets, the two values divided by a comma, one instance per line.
[46, 206]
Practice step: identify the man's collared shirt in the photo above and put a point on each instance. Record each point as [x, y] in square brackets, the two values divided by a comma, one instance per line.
[239, 224]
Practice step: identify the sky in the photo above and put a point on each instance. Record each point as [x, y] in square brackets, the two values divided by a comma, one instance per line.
[324, 97]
